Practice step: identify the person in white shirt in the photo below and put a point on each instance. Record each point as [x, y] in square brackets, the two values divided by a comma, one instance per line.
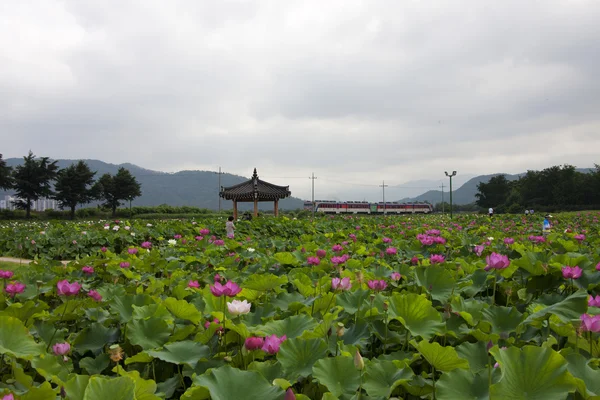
[491, 211]
[230, 227]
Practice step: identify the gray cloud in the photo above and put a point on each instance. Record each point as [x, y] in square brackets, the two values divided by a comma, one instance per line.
[355, 91]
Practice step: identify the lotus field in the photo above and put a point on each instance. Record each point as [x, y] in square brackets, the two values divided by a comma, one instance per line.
[340, 308]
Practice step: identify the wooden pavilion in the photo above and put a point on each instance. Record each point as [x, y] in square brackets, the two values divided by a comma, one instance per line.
[255, 190]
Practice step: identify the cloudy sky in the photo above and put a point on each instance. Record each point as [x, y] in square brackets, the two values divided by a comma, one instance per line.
[356, 91]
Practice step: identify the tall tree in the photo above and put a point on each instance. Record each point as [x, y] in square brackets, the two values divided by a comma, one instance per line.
[74, 186]
[5, 175]
[32, 181]
[494, 193]
[114, 189]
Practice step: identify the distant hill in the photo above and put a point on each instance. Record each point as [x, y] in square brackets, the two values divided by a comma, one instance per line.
[465, 194]
[183, 188]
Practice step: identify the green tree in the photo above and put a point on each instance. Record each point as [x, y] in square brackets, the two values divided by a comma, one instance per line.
[114, 189]
[32, 181]
[493, 193]
[74, 186]
[5, 175]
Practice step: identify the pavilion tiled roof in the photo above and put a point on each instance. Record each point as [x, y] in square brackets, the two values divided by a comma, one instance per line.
[255, 188]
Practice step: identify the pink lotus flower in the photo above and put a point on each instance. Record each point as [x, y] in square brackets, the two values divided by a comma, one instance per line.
[199, 238]
[337, 248]
[439, 240]
[68, 289]
[436, 258]
[215, 321]
[124, 264]
[217, 278]
[219, 242]
[391, 251]
[254, 343]
[352, 236]
[321, 253]
[341, 284]
[377, 285]
[60, 349]
[337, 260]
[594, 301]
[14, 288]
[508, 241]
[177, 236]
[590, 323]
[229, 289]
[289, 395]
[478, 250]
[87, 270]
[103, 249]
[132, 250]
[395, 276]
[313, 261]
[387, 240]
[193, 284]
[496, 261]
[95, 295]
[357, 228]
[425, 240]
[272, 343]
[414, 260]
[204, 232]
[580, 237]
[146, 245]
[9, 274]
[8, 397]
[571, 272]
[433, 232]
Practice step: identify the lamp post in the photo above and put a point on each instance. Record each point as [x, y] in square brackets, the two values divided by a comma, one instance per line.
[450, 176]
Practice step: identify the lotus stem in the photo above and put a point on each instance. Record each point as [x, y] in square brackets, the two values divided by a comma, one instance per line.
[433, 379]
[494, 292]
[56, 326]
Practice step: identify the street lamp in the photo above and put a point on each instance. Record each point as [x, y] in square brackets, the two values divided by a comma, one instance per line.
[450, 176]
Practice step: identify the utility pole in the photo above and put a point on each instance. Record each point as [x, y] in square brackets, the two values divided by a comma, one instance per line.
[312, 178]
[219, 191]
[450, 176]
[383, 186]
[442, 198]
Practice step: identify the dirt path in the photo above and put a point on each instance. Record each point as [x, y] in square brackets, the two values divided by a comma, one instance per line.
[22, 261]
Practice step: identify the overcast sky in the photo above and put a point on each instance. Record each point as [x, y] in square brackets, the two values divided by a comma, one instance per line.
[356, 91]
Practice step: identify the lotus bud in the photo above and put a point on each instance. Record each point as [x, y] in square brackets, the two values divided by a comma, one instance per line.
[227, 359]
[289, 395]
[339, 330]
[359, 363]
[385, 306]
[360, 277]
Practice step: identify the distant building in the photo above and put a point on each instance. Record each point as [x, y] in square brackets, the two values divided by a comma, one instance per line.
[39, 205]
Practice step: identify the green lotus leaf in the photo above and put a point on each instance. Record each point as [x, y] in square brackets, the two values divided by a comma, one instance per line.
[475, 353]
[382, 377]
[531, 373]
[567, 310]
[338, 374]
[16, 340]
[101, 388]
[416, 314]
[141, 357]
[502, 319]
[351, 301]
[476, 282]
[270, 370]
[76, 386]
[96, 365]
[122, 306]
[227, 383]
[148, 333]
[291, 327]
[42, 392]
[297, 356]
[463, 384]
[441, 358]
[151, 310]
[185, 352]
[26, 312]
[586, 378]
[265, 282]
[144, 388]
[285, 258]
[437, 281]
[50, 367]
[183, 310]
[196, 393]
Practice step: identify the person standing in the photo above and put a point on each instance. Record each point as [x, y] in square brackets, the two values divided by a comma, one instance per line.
[491, 211]
[547, 226]
[230, 227]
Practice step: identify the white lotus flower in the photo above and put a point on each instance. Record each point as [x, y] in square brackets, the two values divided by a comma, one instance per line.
[250, 249]
[237, 307]
[148, 225]
[172, 242]
[490, 238]
[132, 234]
[127, 228]
[116, 228]
[107, 227]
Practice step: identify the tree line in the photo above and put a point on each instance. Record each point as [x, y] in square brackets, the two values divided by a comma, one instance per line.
[552, 189]
[40, 178]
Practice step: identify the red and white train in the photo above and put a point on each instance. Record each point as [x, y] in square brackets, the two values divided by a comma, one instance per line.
[364, 207]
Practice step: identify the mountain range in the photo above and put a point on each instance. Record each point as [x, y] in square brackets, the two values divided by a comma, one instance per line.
[201, 188]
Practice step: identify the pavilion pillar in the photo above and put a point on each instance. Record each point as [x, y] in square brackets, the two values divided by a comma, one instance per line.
[235, 212]
[256, 207]
[276, 207]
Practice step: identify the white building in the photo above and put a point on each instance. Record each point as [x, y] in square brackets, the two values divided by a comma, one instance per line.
[40, 205]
